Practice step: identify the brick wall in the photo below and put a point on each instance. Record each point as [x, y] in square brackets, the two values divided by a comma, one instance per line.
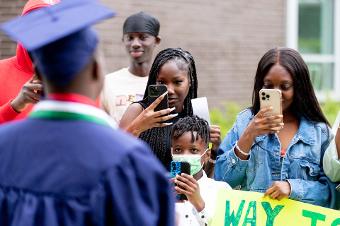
[8, 9]
[226, 38]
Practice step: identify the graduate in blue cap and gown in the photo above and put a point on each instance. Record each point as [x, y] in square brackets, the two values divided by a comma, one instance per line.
[66, 164]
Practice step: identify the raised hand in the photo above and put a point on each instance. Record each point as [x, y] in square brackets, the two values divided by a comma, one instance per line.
[265, 123]
[30, 93]
[147, 118]
[215, 137]
[262, 123]
[187, 185]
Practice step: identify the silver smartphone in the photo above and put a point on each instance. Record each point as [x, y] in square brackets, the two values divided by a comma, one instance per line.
[271, 98]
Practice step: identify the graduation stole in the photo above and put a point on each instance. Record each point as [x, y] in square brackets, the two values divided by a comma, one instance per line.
[64, 110]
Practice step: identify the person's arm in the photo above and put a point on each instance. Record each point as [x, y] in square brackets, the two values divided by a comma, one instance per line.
[7, 113]
[137, 120]
[319, 191]
[331, 159]
[127, 121]
[301, 191]
[215, 140]
[188, 185]
[235, 150]
[337, 142]
[29, 94]
[228, 166]
[261, 124]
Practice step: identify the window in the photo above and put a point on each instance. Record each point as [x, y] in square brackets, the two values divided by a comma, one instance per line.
[313, 28]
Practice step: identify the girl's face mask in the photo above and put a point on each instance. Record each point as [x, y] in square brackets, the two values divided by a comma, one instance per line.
[194, 160]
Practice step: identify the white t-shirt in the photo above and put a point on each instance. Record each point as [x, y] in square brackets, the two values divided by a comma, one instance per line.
[186, 212]
[121, 88]
[331, 160]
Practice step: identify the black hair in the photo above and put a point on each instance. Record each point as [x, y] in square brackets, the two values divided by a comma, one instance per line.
[159, 138]
[305, 103]
[184, 61]
[191, 124]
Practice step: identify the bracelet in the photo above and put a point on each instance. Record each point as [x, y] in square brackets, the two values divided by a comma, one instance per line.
[242, 152]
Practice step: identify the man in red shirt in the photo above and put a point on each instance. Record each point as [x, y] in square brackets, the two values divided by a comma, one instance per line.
[19, 88]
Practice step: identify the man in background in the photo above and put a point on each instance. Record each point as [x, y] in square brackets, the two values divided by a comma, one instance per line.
[127, 85]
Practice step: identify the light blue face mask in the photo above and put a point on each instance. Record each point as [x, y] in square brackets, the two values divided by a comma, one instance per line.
[193, 160]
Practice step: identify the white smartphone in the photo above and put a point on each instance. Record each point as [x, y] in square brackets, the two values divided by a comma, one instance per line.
[271, 97]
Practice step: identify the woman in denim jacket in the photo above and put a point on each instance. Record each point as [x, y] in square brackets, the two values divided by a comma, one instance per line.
[279, 154]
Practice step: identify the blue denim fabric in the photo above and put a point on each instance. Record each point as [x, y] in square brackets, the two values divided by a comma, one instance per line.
[301, 167]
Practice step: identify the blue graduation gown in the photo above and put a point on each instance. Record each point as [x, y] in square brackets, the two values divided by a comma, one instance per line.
[79, 173]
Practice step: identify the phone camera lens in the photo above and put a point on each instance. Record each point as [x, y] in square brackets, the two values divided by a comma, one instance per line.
[153, 90]
[263, 94]
[263, 98]
[267, 96]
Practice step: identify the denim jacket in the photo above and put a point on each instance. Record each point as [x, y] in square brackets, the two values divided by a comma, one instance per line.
[301, 166]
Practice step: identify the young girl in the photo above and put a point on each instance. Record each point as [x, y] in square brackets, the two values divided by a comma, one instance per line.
[176, 69]
[189, 143]
[280, 154]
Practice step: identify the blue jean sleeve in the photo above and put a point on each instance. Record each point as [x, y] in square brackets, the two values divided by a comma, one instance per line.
[313, 192]
[320, 192]
[229, 167]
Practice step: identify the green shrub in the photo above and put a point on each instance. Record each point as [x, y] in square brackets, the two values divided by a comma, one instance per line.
[225, 117]
[330, 108]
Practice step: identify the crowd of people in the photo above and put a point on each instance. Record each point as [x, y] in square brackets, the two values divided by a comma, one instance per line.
[68, 161]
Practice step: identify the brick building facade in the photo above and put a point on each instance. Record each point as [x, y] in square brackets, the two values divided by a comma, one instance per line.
[226, 38]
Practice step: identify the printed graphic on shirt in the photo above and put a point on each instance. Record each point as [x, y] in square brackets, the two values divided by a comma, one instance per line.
[125, 100]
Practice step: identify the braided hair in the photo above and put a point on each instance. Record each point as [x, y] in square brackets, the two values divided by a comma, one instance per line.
[159, 138]
[191, 124]
[185, 62]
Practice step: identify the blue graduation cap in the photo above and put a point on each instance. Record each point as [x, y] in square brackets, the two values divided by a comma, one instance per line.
[59, 37]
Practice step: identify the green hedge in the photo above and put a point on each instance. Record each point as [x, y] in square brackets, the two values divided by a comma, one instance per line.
[225, 117]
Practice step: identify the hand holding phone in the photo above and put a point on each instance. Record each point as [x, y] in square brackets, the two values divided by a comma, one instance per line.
[267, 120]
[156, 91]
[187, 186]
[176, 169]
[271, 98]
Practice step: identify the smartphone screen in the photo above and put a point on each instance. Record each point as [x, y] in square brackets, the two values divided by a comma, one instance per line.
[271, 98]
[154, 92]
[178, 168]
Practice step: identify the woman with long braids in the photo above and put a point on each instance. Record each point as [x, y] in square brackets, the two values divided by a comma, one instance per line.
[176, 69]
[280, 154]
